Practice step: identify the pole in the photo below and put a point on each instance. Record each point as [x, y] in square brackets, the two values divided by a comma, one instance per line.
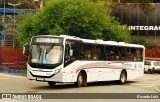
[4, 23]
[14, 29]
[155, 37]
[3, 53]
[41, 3]
[138, 17]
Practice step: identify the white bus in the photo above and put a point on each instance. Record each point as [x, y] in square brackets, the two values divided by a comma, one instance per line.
[57, 59]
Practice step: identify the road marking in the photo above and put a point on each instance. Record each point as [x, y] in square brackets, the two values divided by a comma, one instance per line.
[157, 89]
[9, 100]
[147, 83]
[13, 76]
[3, 78]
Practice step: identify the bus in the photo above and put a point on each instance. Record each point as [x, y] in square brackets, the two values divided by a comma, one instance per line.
[59, 59]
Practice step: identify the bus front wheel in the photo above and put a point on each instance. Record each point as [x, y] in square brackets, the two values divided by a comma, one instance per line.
[123, 77]
[81, 80]
[51, 84]
[150, 71]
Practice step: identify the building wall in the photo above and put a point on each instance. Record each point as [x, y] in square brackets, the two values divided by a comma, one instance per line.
[9, 31]
[133, 15]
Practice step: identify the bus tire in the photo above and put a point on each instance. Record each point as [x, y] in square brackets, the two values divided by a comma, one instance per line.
[51, 84]
[81, 80]
[150, 71]
[123, 77]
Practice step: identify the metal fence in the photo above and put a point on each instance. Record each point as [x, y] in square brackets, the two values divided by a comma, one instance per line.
[12, 58]
[153, 53]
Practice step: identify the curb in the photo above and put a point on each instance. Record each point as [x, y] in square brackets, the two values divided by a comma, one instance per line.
[14, 71]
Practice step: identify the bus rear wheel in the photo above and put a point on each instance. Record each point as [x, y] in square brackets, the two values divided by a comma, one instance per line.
[123, 77]
[51, 84]
[81, 80]
[150, 71]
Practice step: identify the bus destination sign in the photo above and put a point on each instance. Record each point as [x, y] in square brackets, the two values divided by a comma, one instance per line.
[48, 40]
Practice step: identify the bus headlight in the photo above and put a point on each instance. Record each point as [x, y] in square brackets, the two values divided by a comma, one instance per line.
[57, 71]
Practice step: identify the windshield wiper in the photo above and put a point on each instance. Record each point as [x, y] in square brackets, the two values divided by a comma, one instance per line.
[50, 48]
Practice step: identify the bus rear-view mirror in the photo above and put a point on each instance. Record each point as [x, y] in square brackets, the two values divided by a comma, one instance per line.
[26, 49]
[71, 52]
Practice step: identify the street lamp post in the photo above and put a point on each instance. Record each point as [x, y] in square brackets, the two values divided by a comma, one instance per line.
[4, 22]
[41, 3]
[14, 24]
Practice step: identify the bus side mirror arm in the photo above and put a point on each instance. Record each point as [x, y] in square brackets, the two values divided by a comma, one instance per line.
[71, 53]
[26, 49]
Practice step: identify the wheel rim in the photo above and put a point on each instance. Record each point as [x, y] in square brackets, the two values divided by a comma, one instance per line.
[123, 78]
[80, 80]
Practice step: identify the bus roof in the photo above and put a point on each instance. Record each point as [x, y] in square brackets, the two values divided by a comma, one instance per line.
[98, 41]
[112, 43]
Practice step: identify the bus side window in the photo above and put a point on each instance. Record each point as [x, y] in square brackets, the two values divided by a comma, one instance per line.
[138, 55]
[82, 52]
[118, 55]
[128, 55]
[109, 53]
[121, 53]
[96, 52]
[67, 53]
[88, 54]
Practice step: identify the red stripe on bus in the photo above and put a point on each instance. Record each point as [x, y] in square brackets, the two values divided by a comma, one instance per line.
[99, 67]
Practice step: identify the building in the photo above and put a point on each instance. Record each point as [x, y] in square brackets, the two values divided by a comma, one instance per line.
[141, 24]
[8, 24]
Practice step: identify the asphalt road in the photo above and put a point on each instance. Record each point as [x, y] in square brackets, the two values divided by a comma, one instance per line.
[149, 83]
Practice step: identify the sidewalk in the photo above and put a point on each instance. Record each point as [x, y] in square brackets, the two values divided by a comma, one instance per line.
[14, 71]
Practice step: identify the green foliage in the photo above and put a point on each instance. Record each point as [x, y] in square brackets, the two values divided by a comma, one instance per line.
[141, 41]
[137, 40]
[116, 32]
[151, 44]
[26, 28]
[82, 18]
[146, 7]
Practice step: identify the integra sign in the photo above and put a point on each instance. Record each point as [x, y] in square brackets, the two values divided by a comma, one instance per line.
[144, 27]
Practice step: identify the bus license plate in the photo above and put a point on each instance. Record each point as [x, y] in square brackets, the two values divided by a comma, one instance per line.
[40, 79]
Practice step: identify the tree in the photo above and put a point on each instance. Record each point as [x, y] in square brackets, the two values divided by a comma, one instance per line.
[82, 18]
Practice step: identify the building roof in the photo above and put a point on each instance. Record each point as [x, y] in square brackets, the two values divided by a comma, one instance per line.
[16, 11]
[98, 41]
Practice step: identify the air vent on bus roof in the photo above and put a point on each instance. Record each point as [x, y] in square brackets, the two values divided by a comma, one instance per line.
[121, 42]
[99, 41]
[64, 35]
[69, 36]
[110, 41]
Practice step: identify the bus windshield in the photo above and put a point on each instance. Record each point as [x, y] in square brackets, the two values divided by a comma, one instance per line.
[46, 54]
